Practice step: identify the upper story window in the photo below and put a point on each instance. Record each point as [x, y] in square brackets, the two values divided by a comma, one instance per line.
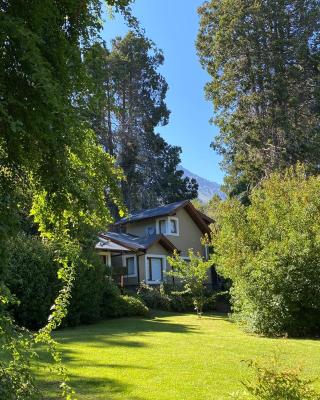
[168, 226]
[163, 226]
[173, 226]
[150, 230]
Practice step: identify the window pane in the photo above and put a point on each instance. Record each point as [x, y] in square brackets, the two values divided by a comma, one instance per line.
[150, 230]
[155, 269]
[130, 266]
[162, 226]
[173, 226]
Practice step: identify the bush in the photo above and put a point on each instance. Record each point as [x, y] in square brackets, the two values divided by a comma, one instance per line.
[271, 251]
[32, 278]
[270, 382]
[125, 306]
[168, 297]
[90, 287]
[153, 297]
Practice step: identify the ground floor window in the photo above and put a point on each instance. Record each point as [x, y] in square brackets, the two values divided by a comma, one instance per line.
[155, 269]
[130, 264]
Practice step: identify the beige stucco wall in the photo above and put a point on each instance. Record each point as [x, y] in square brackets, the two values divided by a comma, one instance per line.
[139, 228]
[190, 235]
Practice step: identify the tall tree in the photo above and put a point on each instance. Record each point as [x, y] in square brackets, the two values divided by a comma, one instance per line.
[127, 104]
[263, 57]
[51, 165]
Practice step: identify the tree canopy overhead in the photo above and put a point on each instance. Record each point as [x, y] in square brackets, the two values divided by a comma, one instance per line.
[126, 106]
[263, 59]
[51, 165]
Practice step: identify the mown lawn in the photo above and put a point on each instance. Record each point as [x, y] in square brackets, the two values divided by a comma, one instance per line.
[170, 357]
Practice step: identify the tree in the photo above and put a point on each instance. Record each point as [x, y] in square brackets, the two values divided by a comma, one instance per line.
[48, 157]
[263, 58]
[192, 274]
[270, 250]
[127, 103]
[211, 208]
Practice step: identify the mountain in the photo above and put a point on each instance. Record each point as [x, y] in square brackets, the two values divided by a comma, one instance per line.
[206, 188]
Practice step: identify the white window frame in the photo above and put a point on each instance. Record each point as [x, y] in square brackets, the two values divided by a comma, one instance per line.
[134, 263]
[167, 224]
[177, 226]
[164, 268]
[108, 258]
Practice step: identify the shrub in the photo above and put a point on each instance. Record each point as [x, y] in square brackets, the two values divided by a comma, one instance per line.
[270, 382]
[271, 251]
[169, 297]
[192, 274]
[32, 278]
[125, 306]
[153, 297]
[90, 286]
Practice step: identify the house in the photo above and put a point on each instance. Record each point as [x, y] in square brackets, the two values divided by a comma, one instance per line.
[140, 244]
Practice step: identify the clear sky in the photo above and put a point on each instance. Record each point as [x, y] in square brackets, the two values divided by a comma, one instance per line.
[173, 26]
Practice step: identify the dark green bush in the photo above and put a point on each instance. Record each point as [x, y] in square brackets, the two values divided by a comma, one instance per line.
[125, 306]
[271, 252]
[168, 297]
[32, 278]
[90, 286]
[154, 297]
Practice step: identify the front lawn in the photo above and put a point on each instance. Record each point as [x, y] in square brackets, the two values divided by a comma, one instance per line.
[170, 357]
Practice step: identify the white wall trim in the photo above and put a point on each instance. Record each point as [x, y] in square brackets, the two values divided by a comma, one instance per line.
[177, 225]
[124, 263]
[164, 267]
[167, 219]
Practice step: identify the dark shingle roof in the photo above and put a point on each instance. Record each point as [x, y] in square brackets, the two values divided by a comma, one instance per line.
[135, 242]
[108, 245]
[153, 212]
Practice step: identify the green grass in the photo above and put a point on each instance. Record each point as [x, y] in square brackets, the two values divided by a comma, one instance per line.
[170, 357]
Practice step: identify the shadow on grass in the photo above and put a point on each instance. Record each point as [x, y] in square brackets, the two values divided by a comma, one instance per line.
[93, 387]
[117, 332]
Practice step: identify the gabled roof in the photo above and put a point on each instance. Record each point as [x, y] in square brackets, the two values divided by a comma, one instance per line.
[200, 219]
[136, 243]
[152, 212]
[108, 245]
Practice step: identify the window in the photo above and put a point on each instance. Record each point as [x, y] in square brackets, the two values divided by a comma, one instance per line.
[155, 269]
[168, 226]
[131, 266]
[173, 226]
[150, 230]
[163, 226]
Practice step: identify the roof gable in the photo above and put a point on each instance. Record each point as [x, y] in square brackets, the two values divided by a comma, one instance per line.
[136, 243]
[200, 219]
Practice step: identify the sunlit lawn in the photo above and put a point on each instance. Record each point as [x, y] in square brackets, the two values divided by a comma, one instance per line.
[170, 357]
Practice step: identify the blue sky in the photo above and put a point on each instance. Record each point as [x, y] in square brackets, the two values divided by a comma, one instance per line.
[173, 26]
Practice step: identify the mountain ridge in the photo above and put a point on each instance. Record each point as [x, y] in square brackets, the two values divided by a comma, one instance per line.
[207, 189]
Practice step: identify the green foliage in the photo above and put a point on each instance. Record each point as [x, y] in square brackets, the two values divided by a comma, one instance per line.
[272, 382]
[51, 165]
[155, 298]
[192, 274]
[91, 286]
[263, 59]
[125, 306]
[169, 297]
[271, 252]
[32, 278]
